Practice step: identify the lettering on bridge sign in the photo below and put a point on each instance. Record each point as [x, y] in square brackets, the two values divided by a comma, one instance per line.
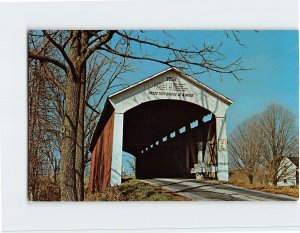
[171, 87]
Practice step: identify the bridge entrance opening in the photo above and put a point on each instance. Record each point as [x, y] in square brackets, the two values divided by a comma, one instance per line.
[169, 138]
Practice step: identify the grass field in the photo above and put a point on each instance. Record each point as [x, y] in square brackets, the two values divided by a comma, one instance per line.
[134, 190]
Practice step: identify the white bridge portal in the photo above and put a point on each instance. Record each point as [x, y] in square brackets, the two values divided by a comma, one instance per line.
[160, 121]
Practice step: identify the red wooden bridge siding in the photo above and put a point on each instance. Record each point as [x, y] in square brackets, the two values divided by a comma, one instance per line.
[101, 158]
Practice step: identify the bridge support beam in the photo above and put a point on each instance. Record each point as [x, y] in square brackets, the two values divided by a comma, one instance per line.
[222, 172]
[116, 162]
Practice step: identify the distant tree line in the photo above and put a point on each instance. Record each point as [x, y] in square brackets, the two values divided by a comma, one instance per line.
[259, 144]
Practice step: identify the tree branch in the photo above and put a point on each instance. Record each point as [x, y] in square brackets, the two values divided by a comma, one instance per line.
[43, 58]
[50, 77]
[63, 52]
[102, 40]
[91, 107]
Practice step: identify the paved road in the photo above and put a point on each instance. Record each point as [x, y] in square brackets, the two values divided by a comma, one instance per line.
[213, 191]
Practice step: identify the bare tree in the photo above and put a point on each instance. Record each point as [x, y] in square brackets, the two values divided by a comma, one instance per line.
[132, 165]
[40, 133]
[55, 164]
[69, 51]
[245, 147]
[101, 78]
[280, 135]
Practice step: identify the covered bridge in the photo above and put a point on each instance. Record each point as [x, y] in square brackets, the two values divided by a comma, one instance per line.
[161, 121]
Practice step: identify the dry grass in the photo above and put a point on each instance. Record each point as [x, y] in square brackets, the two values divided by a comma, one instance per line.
[133, 190]
[46, 190]
[241, 180]
[290, 191]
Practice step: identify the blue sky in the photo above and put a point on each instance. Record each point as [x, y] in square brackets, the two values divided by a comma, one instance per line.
[272, 56]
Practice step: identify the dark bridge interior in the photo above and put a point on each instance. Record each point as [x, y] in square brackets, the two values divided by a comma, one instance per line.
[158, 133]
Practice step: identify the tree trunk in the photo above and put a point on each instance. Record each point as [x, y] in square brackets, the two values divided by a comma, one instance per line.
[274, 181]
[68, 151]
[55, 177]
[250, 177]
[79, 164]
[70, 142]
